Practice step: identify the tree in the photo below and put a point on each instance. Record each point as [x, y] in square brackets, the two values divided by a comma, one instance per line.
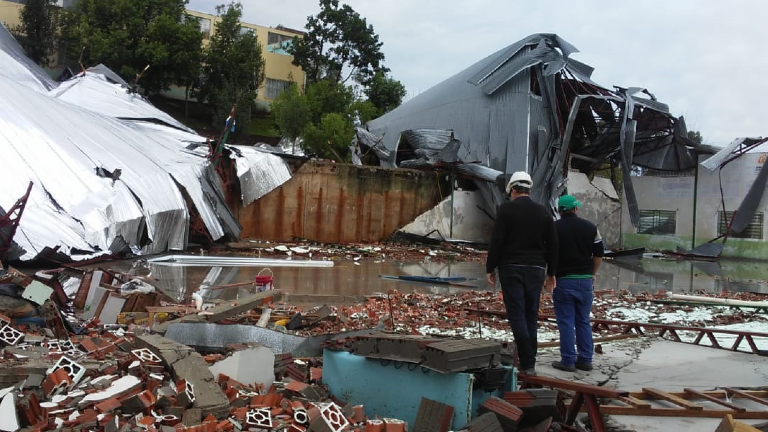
[695, 136]
[385, 93]
[291, 112]
[233, 68]
[38, 31]
[330, 138]
[338, 38]
[130, 35]
[328, 96]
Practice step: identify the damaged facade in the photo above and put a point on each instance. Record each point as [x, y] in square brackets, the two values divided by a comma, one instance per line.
[110, 172]
[530, 106]
[716, 210]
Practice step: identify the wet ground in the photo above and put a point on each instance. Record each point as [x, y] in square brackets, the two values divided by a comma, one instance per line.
[359, 278]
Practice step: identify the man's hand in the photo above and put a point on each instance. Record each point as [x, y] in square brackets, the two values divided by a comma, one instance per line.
[492, 279]
[549, 283]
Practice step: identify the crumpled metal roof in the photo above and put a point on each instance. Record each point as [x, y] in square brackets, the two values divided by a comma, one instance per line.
[529, 106]
[101, 178]
[260, 172]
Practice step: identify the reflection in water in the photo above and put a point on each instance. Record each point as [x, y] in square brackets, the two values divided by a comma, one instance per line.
[361, 278]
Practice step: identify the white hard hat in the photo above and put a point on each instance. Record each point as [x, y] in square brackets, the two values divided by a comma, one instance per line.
[519, 178]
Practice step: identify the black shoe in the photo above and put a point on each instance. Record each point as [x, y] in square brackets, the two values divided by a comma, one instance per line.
[529, 371]
[584, 366]
[563, 367]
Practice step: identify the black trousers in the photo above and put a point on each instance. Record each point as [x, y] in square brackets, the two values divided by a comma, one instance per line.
[521, 288]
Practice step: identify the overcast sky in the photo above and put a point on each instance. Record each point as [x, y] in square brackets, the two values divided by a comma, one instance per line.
[704, 58]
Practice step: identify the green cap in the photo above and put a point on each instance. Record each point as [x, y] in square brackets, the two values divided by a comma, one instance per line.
[567, 202]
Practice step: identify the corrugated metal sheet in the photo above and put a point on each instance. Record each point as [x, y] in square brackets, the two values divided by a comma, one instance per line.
[527, 106]
[259, 172]
[101, 177]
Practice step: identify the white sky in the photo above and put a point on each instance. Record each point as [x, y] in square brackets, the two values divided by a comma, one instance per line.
[704, 58]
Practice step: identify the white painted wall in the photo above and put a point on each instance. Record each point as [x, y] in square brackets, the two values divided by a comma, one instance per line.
[469, 222]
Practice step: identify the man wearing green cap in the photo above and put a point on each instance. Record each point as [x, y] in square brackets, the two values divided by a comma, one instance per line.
[580, 255]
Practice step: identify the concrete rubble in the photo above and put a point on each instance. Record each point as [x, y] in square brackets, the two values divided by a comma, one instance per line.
[63, 368]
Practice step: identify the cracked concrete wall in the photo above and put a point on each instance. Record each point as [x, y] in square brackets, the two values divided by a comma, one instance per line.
[600, 204]
[676, 194]
[469, 221]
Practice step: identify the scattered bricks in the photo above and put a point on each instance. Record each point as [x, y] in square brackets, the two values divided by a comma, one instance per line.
[88, 345]
[508, 414]
[487, 422]
[374, 426]
[359, 414]
[394, 425]
[108, 405]
[10, 335]
[296, 386]
[260, 417]
[296, 428]
[315, 374]
[55, 380]
[185, 393]
[460, 355]
[138, 402]
[4, 320]
[433, 416]
[186, 364]
[146, 422]
[331, 419]
[227, 310]
[542, 405]
[74, 370]
[146, 356]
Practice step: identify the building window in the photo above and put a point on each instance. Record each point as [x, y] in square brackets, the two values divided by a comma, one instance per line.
[205, 27]
[753, 231]
[278, 43]
[275, 87]
[246, 30]
[660, 222]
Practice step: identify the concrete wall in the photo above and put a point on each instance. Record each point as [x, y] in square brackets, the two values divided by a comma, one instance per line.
[677, 194]
[600, 204]
[469, 222]
[338, 203]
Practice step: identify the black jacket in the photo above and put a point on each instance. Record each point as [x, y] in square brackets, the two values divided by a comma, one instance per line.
[523, 234]
[580, 241]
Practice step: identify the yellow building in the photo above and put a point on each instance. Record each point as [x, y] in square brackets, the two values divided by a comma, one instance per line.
[279, 70]
[9, 12]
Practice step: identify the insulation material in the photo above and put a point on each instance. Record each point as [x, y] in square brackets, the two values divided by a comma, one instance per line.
[259, 172]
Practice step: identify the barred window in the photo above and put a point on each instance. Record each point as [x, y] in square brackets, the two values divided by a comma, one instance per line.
[657, 222]
[753, 231]
[274, 87]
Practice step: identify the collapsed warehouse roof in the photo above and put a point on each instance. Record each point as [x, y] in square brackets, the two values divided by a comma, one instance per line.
[110, 171]
[530, 106]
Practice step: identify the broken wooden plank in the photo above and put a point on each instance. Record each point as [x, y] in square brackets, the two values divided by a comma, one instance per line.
[746, 395]
[635, 402]
[679, 412]
[722, 402]
[662, 395]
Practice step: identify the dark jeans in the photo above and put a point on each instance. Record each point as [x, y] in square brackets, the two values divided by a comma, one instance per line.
[521, 288]
[573, 302]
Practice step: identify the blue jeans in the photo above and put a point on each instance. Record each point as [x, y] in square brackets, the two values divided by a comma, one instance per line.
[521, 288]
[573, 302]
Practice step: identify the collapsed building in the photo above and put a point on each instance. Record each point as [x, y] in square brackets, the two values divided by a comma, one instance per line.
[110, 172]
[530, 106]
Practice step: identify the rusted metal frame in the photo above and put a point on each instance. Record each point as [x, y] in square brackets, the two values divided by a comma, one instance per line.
[10, 221]
[680, 412]
[595, 416]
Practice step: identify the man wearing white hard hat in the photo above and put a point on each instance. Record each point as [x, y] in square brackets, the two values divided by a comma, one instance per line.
[524, 250]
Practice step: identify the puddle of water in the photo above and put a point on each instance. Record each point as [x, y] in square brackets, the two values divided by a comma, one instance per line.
[350, 278]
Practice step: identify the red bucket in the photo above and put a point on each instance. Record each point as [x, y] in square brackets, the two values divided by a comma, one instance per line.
[263, 282]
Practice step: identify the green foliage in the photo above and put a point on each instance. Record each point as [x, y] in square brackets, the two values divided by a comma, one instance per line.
[385, 93]
[291, 112]
[129, 35]
[328, 96]
[338, 38]
[38, 31]
[233, 69]
[331, 138]
[695, 136]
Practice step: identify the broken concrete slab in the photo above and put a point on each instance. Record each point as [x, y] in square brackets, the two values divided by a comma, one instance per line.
[37, 292]
[251, 365]
[236, 307]
[186, 364]
[9, 420]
